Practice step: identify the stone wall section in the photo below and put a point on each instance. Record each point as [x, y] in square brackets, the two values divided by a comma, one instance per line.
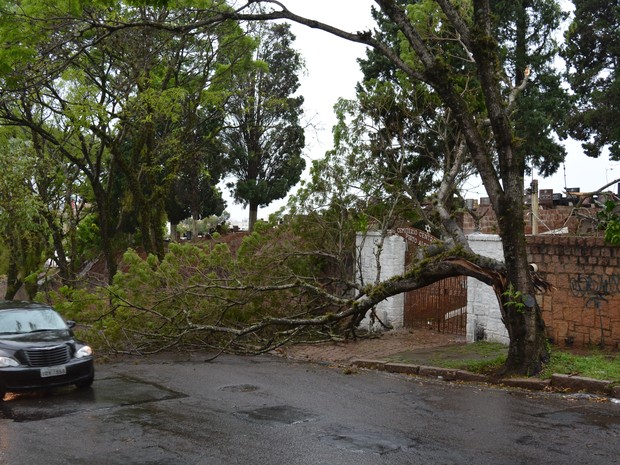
[584, 308]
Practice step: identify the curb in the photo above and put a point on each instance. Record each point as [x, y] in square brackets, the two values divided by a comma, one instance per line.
[558, 382]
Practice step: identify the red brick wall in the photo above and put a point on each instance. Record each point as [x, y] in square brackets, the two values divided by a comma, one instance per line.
[577, 220]
[584, 309]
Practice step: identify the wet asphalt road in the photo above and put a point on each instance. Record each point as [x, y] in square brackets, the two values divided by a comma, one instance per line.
[268, 411]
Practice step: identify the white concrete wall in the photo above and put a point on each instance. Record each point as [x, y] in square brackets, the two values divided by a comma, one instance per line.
[392, 262]
[483, 311]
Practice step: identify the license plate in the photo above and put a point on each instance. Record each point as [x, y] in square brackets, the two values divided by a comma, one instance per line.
[53, 371]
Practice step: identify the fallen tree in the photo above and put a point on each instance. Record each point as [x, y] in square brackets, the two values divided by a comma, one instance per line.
[479, 70]
[215, 298]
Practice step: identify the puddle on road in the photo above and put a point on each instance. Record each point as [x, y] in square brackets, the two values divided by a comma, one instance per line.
[368, 442]
[105, 393]
[279, 414]
[240, 388]
[342, 438]
[568, 418]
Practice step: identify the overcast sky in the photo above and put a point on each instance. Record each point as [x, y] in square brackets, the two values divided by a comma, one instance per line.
[332, 72]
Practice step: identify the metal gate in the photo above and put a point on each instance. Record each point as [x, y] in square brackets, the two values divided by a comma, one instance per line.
[441, 306]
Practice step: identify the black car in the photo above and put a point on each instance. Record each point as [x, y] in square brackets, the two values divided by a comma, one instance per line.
[38, 349]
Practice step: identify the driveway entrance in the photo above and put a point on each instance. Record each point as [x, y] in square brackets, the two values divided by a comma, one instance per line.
[441, 307]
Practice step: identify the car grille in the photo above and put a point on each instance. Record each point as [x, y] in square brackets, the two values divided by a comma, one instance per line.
[48, 356]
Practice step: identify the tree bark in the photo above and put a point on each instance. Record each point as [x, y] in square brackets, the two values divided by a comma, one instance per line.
[173, 232]
[13, 283]
[520, 312]
[106, 230]
[253, 215]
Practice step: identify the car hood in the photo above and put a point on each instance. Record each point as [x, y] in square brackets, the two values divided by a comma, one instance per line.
[35, 339]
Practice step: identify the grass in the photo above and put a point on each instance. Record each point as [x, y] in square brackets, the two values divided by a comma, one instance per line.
[595, 365]
[488, 358]
[486, 367]
[479, 357]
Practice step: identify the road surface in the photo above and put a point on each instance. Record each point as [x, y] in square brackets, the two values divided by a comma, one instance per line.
[270, 411]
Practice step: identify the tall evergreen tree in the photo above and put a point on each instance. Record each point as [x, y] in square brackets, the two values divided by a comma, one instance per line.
[525, 31]
[264, 137]
[592, 54]
[121, 104]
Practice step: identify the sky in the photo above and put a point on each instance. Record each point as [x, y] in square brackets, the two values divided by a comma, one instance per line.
[332, 72]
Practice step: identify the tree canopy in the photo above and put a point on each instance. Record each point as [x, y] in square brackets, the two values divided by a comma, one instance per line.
[136, 109]
[592, 53]
[264, 136]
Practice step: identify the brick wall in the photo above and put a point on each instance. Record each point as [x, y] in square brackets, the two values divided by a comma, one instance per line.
[584, 309]
[577, 220]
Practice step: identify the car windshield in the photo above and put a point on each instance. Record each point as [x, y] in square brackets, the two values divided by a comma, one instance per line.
[27, 321]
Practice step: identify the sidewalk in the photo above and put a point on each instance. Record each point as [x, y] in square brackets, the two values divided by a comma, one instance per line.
[408, 351]
[383, 346]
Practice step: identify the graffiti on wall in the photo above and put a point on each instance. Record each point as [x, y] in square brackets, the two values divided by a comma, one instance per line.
[595, 289]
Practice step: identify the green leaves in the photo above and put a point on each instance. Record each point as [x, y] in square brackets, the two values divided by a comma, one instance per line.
[264, 137]
[513, 300]
[199, 296]
[592, 51]
[612, 232]
[610, 222]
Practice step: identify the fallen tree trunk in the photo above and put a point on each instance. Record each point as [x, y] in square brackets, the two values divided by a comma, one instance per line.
[189, 329]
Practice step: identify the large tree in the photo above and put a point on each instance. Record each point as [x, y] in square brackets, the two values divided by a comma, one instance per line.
[195, 193]
[129, 106]
[23, 229]
[592, 54]
[169, 113]
[486, 121]
[264, 136]
[41, 206]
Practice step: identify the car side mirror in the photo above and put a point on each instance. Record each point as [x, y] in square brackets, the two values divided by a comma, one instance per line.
[70, 324]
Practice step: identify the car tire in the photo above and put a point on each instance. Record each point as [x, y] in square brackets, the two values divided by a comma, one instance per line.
[85, 384]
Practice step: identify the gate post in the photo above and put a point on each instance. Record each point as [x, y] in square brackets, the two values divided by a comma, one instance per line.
[484, 317]
[391, 259]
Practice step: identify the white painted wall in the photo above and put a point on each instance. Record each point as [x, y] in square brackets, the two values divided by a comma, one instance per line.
[483, 311]
[392, 263]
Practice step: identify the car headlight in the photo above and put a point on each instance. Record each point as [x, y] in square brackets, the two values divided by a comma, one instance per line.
[8, 362]
[84, 351]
